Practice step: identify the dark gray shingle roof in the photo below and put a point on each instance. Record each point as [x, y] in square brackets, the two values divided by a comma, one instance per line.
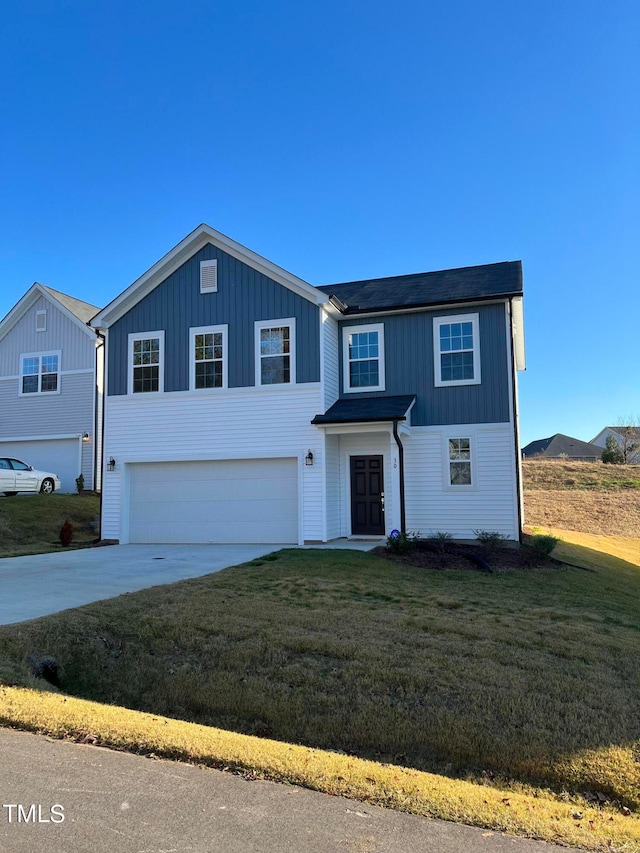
[562, 445]
[429, 288]
[360, 410]
[82, 310]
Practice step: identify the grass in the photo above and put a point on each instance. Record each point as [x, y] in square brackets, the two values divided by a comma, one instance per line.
[583, 496]
[30, 524]
[554, 474]
[532, 677]
[535, 814]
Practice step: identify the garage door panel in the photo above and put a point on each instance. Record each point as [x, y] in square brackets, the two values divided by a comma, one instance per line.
[249, 500]
[190, 533]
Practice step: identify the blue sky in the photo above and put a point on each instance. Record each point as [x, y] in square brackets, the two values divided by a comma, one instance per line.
[342, 140]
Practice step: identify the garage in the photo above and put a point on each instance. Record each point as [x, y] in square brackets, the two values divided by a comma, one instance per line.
[222, 501]
[61, 456]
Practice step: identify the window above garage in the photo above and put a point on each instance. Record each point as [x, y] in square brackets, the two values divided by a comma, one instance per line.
[40, 373]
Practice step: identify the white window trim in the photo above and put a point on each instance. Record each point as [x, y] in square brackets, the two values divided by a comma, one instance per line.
[21, 375]
[443, 321]
[461, 488]
[365, 327]
[207, 330]
[272, 324]
[144, 336]
[212, 264]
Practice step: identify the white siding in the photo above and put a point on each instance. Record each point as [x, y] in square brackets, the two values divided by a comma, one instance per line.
[232, 424]
[78, 349]
[334, 490]
[490, 505]
[331, 363]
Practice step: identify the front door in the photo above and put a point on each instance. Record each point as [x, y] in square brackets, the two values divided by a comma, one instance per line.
[367, 496]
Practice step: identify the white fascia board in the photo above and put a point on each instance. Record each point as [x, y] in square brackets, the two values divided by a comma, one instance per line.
[30, 298]
[518, 332]
[191, 244]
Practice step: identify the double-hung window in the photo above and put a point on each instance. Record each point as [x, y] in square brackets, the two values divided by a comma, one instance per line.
[456, 344]
[276, 352]
[363, 358]
[146, 362]
[208, 357]
[40, 373]
[459, 462]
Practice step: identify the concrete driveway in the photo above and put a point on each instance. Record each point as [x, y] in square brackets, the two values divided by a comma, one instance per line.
[46, 583]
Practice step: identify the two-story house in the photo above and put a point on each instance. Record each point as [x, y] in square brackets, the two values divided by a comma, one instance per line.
[51, 386]
[244, 404]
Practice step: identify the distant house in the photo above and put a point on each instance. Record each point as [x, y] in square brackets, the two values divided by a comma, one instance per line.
[627, 438]
[560, 446]
[51, 386]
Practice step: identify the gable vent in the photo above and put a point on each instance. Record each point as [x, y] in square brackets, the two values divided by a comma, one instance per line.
[41, 321]
[208, 276]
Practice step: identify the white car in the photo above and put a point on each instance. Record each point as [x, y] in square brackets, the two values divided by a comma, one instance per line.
[17, 476]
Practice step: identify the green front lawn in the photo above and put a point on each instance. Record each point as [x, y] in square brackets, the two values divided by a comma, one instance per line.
[30, 524]
[531, 676]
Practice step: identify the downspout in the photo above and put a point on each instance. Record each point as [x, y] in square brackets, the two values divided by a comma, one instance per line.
[403, 522]
[102, 415]
[97, 446]
[516, 424]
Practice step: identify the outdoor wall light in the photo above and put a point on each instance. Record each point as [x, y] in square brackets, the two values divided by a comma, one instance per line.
[308, 459]
[85, 437]
[111, 465]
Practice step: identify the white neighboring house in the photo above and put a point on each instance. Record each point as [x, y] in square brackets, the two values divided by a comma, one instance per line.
[625, 436]
[51, 377]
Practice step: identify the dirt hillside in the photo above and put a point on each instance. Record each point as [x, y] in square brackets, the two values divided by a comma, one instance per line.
[585, 496]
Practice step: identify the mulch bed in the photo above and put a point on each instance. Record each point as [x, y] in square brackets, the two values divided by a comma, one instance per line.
[456, 556]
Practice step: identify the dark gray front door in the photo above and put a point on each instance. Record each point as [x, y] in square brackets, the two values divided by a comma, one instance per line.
[367, 495]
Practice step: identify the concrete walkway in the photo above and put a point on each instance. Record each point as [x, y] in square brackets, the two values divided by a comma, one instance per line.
[118, 803]
[46, 583]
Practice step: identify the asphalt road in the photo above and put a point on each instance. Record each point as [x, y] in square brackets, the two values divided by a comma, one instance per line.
[114, 802]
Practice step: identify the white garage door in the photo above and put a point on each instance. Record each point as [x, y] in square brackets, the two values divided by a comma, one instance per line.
[60, 456]
[237, 500]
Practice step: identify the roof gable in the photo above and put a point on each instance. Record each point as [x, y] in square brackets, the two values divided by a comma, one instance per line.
[181, 253]
[561, 445]
[76, 310]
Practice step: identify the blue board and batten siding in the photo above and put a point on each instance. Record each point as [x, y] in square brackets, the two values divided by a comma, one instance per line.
[409, 368]
[243, 297]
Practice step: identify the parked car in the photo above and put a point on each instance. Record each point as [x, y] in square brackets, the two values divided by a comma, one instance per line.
[16, 476]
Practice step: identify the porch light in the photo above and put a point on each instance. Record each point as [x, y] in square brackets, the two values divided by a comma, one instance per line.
[111, 465]
[85, 437]
[308, 459]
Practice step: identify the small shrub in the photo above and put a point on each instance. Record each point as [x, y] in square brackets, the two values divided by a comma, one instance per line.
[66, 534]
[80, 484]
[400, 543]
[491, 539]
[441, 539]
[541, 546]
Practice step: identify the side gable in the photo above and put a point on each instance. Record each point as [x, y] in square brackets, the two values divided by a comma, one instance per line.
[75, 310]
[243, 296]
[60, 330]
[203, 235]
